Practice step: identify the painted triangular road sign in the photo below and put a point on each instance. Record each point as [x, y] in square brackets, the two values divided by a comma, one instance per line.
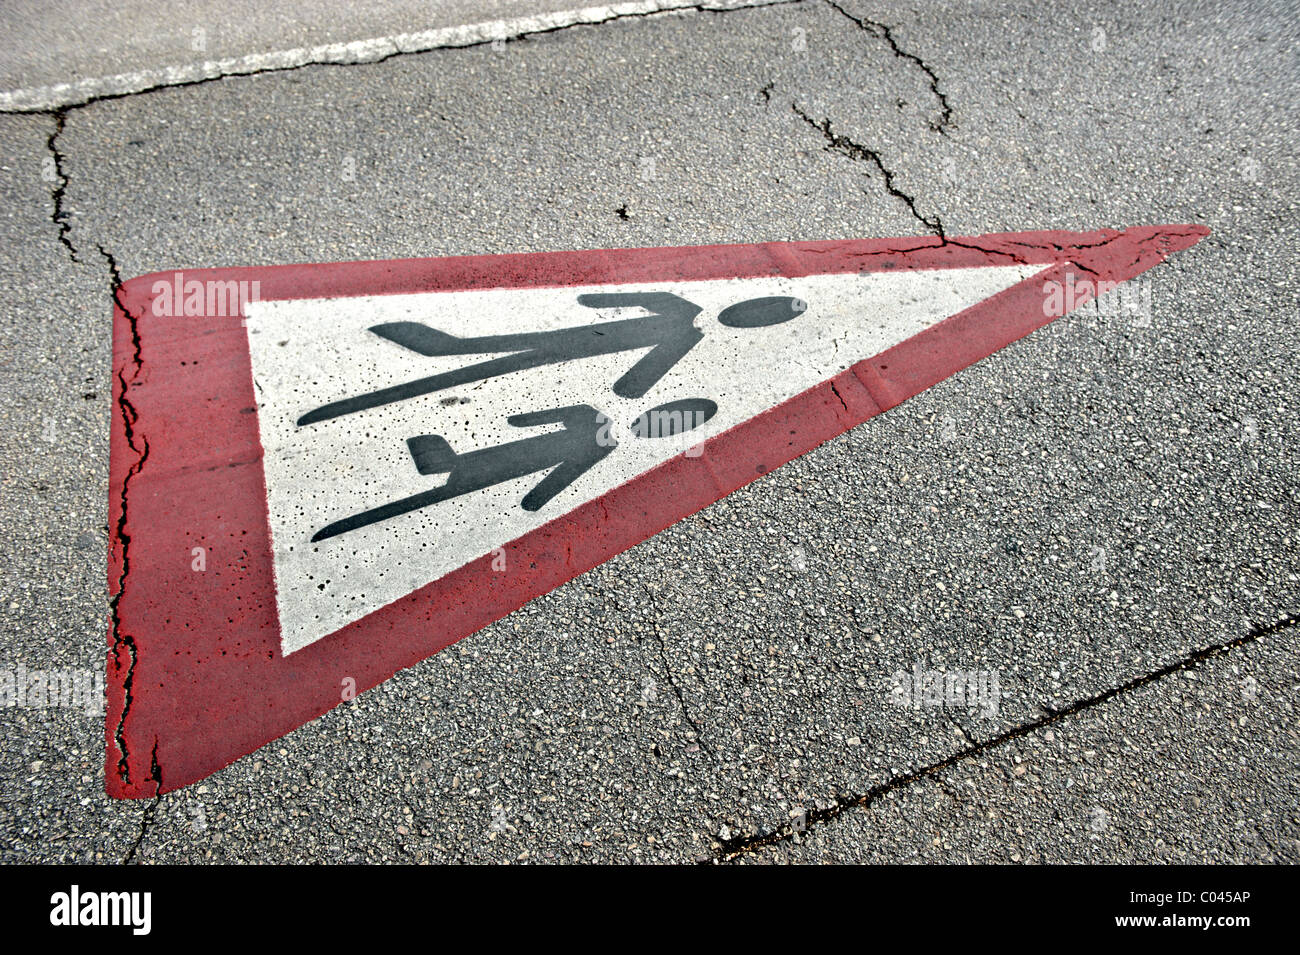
[322, 474]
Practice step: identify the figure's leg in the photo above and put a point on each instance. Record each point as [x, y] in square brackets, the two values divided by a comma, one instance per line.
[669, 328]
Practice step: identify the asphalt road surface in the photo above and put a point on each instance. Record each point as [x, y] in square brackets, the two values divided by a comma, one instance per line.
[1104, 514]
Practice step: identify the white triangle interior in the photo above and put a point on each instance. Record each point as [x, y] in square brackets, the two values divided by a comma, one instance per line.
[308, 352]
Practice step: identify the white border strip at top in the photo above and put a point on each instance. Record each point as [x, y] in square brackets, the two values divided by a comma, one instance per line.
[63, 95]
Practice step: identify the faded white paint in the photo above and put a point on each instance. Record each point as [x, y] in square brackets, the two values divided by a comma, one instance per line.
[367, 50]
[309, 352]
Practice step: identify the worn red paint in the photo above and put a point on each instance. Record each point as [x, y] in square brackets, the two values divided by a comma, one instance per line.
[199, 653]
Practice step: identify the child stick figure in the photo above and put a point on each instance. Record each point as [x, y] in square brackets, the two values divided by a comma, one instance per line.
[566, 454]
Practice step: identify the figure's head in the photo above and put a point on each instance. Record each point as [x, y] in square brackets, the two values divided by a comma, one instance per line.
[760, 312]
[673, 418]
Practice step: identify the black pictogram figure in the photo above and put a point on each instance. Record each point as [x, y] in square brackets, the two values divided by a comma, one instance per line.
[568, 454]
[584, 440]
[668, 331]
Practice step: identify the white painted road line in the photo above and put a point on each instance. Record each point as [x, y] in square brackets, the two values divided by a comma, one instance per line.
[370, 50]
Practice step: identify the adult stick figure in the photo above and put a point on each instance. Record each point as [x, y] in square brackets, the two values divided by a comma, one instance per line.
[668, 330]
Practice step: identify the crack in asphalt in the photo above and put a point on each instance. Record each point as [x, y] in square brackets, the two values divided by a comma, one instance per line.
[681, 699]
[729, 849]
[883, 32]
[136, 442]
[672, 681]
[60, 215]
[836, 142]
[146, 818]
[130, 418]
[857, 151]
